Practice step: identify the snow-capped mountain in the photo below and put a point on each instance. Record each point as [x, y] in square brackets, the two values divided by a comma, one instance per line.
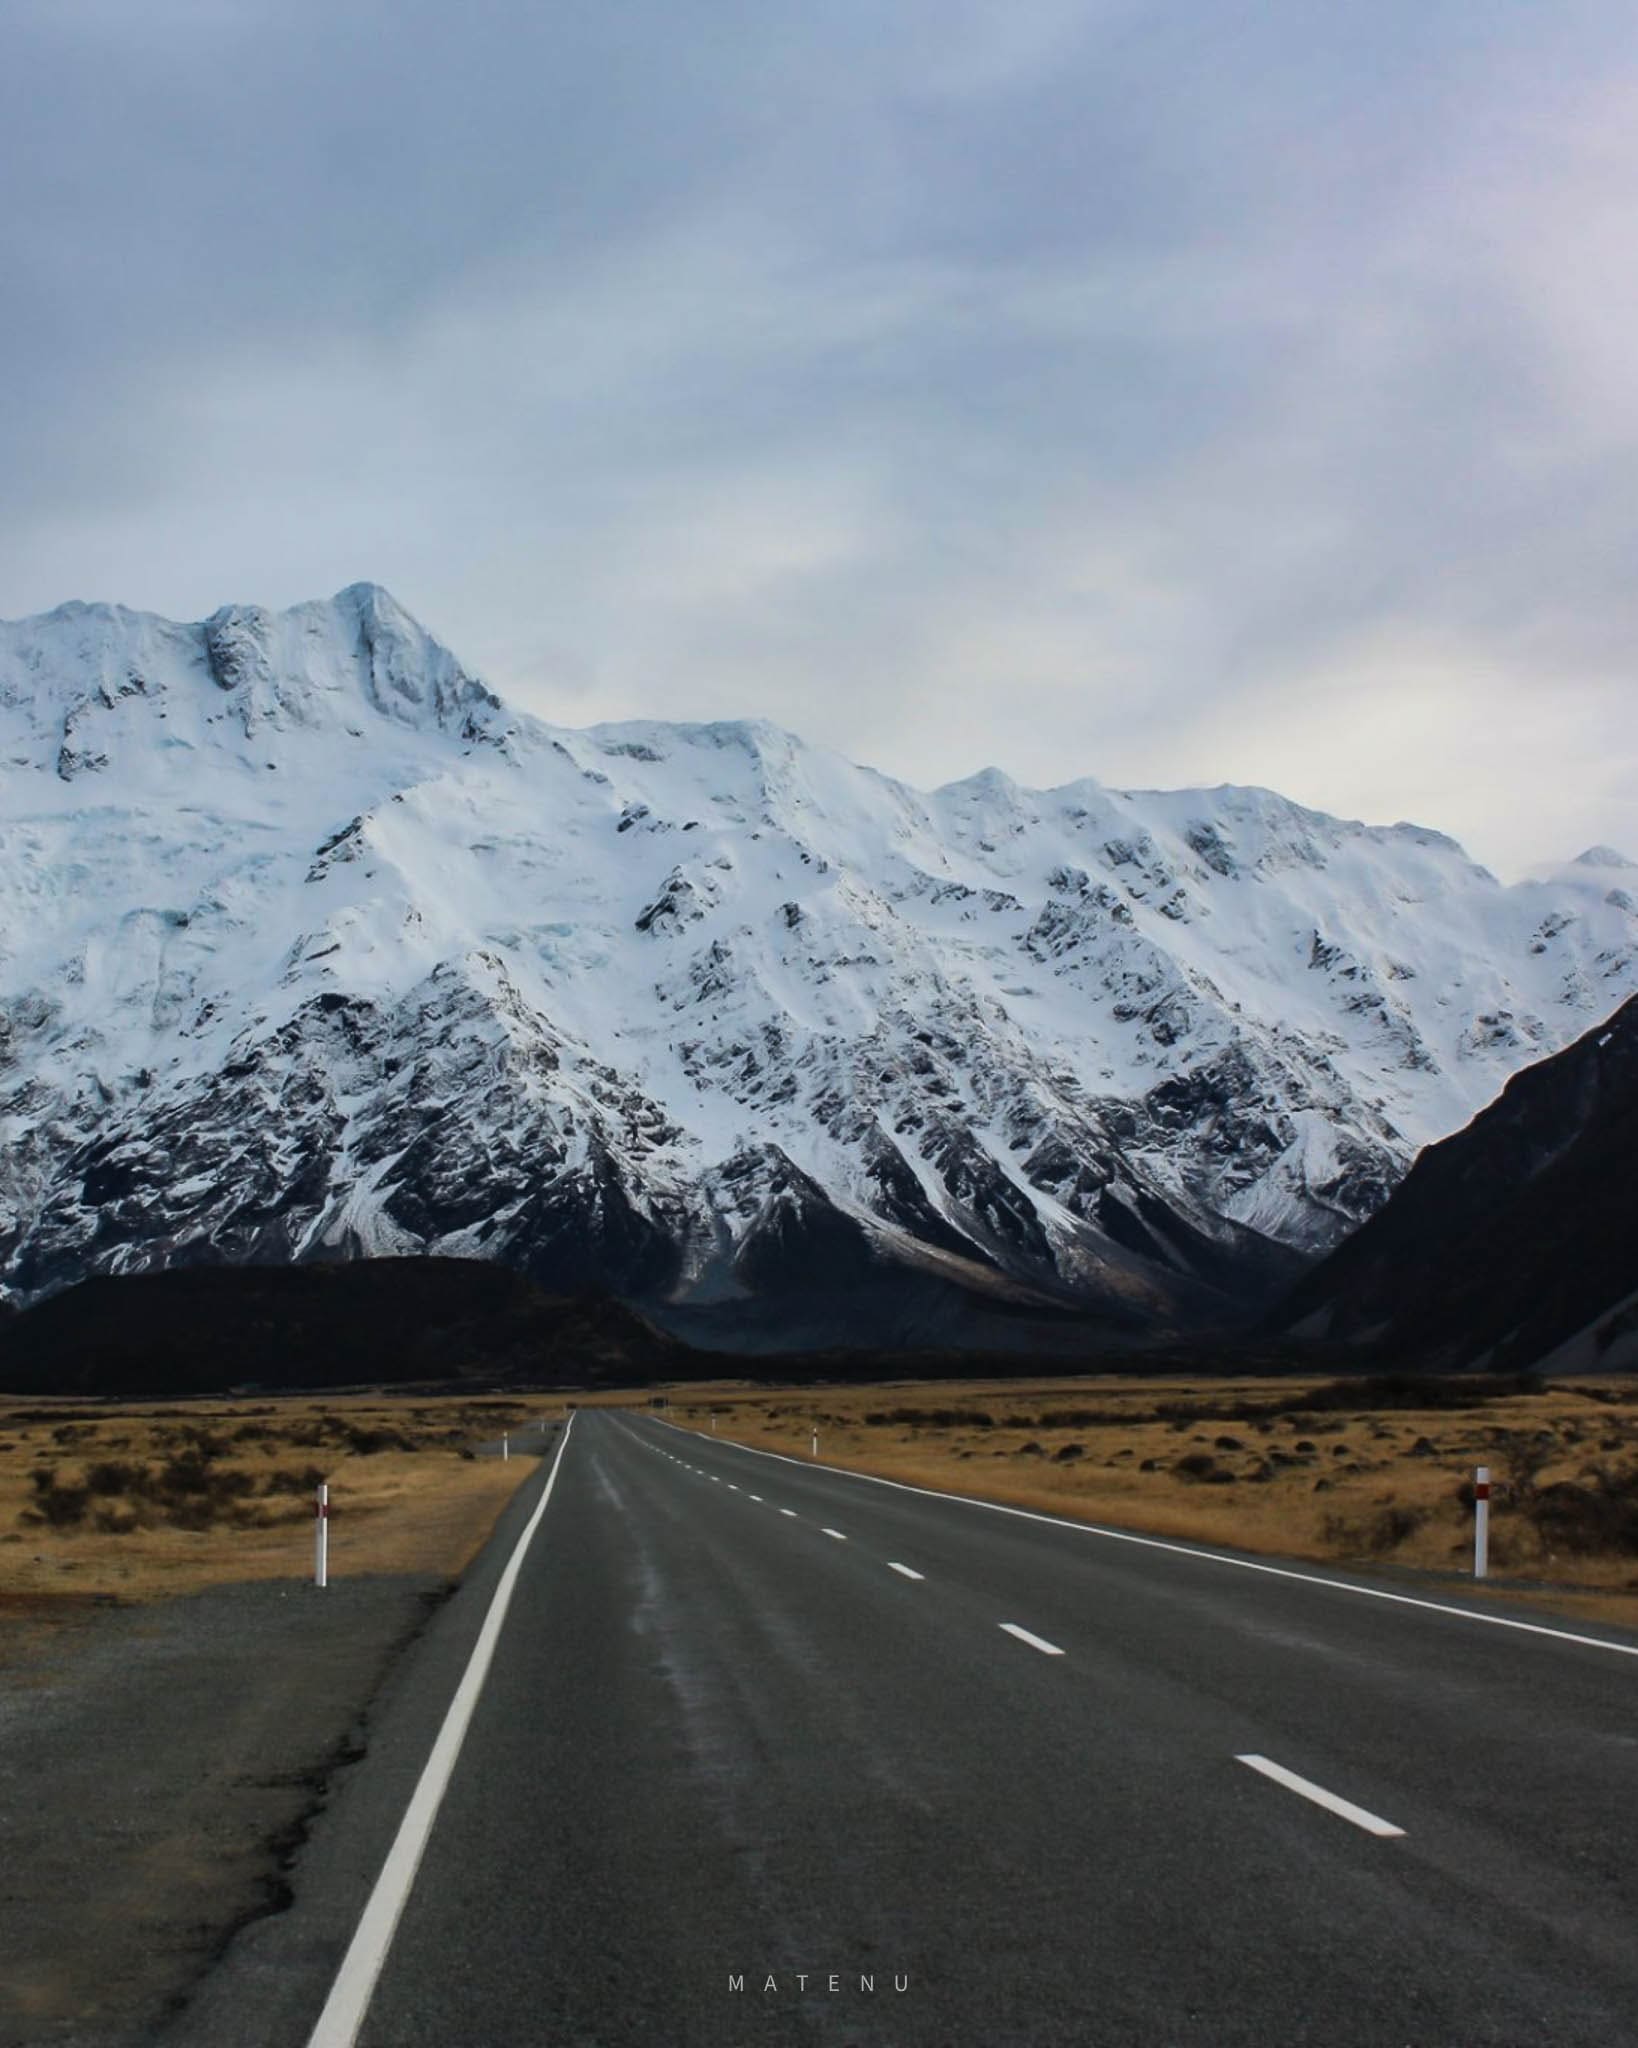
[310, 946]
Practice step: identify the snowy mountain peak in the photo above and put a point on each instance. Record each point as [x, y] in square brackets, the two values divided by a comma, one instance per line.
[319, 664]
[309, 946]
[94, 689]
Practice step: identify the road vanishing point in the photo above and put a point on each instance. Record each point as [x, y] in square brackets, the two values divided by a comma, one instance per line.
[717, 1746]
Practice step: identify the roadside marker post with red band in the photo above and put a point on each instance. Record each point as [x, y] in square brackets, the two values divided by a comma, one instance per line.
[321, 1537]
[1481, 1521]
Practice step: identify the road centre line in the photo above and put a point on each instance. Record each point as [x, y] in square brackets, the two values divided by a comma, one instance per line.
[791, 1512]
[840, 1538]
[1035, 1642]
[1244, 1564]
[756, 1497]
[355, 1981]
[1372, 1823]
[904, 1571]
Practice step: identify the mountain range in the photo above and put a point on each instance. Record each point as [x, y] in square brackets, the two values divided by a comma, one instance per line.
[313, 948]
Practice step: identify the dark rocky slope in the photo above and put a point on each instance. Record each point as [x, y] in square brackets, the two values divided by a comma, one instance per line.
[1511, 1243]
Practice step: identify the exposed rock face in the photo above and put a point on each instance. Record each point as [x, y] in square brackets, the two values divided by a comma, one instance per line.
[310, 947]
[1513, 1240]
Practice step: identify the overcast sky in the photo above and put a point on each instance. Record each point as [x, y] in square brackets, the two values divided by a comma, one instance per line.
[1167, 393]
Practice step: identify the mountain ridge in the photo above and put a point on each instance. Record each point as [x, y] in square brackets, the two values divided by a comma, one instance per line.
[310, 946]
[1509, 1243]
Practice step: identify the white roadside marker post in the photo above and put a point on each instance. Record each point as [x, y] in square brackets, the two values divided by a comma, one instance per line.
[816, 1443]
[713, 1422]
[321, 1536]
[1481, 1521]
[506, 1448]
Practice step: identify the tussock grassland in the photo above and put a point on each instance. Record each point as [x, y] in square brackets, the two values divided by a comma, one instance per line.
[158, 1498]
[1357, 1471]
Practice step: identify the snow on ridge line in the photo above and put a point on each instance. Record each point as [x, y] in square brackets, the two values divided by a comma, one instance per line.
[485, 969]
[402, 642]
[369, 606]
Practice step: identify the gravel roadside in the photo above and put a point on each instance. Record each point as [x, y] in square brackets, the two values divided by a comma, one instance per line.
[159, 1765]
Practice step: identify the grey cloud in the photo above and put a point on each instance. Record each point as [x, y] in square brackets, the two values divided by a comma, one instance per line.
[1085, 388]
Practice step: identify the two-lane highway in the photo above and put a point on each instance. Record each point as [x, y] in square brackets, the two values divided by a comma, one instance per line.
[772, 1752]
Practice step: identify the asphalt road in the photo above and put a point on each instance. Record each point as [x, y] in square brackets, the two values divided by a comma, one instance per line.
[749, 1721]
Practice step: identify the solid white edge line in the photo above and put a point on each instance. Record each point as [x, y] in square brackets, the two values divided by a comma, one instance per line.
[905, 1571]
[1244, 1564]
[1035, 1642]
[1372, 1823]
[355, 1982]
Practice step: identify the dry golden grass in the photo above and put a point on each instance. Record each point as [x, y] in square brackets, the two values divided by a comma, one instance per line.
[188, 1495]
[1359, 1484]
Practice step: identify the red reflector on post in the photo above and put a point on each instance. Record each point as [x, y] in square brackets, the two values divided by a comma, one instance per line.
[1481, 1490]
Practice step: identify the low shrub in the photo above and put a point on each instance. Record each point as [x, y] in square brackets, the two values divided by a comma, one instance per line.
[111, 1476]
[55, 1505]
[1373, 1535]
[1600, 1515]
[934, 1418]
[290, 1479]
[196, 1440]
[365, 1442]
[1414, 1390]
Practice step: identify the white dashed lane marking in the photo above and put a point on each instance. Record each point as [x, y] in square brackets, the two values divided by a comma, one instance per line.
[1035, 1642]
[904, 1571]
[1305, 1788]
